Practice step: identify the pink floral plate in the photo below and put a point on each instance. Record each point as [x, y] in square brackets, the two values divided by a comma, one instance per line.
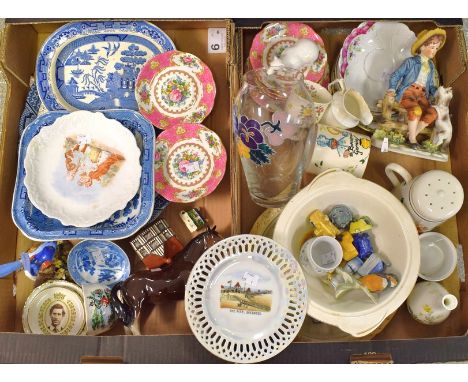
[190, 161]
[175, 87]
[274, 38]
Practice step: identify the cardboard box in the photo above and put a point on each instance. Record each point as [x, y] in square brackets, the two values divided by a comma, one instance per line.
[452, 64]
[166, 335]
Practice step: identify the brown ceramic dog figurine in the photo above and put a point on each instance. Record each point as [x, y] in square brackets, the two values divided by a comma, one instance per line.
[160, 284]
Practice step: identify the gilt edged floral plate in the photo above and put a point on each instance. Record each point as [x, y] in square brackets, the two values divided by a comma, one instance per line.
[246, 299]
[274, 38]
[94, 65]
[189, 163]
[98, 262]
[173, 88]
[82, 168]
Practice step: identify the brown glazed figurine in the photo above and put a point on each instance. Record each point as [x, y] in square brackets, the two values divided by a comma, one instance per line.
[160, 284]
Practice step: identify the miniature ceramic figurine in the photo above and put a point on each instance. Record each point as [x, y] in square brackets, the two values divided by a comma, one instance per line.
[322, 224]
[414, 92]
[340, 216]
[349, 250]
[158, 284]
[361, 225]
[343, 282]
[377, 283]
[363, 245]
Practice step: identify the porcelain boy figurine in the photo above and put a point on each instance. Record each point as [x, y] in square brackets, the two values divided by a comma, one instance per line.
[415, 82]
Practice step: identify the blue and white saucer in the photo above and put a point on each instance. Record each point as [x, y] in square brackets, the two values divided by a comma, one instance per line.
[98, 262]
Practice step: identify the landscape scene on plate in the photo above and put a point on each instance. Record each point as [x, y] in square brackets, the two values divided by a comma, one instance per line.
[241, 293]
[104, 71]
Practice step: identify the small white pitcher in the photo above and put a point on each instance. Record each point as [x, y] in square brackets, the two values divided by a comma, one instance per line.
[347, 108]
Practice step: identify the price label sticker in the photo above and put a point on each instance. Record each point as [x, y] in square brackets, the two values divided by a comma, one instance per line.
[216, 40]
[384, 147]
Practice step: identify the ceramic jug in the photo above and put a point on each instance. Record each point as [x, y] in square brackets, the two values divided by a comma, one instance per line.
[431, 198]
[429, 303]
[348, 108]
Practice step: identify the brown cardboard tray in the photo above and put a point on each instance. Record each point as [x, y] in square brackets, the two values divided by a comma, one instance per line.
[166, 335]
[452, 64]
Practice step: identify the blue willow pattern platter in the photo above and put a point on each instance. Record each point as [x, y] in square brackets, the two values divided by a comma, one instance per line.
[98, 262]
[94, 65]
[31, 108]
[35, 225]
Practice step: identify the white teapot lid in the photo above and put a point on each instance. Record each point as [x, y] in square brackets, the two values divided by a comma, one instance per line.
[436, 195]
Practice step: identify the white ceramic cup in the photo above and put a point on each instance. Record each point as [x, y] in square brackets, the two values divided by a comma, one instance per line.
[320, 255]
[99, 314]
[321, 97]
[337, 148]
[438, 256]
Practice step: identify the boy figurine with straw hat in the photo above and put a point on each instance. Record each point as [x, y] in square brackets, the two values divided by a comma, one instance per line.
[415, 82]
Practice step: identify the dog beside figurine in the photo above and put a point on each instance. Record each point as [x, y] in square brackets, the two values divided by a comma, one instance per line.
[442, 132]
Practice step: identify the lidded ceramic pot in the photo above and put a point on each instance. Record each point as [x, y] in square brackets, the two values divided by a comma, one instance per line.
[431, 198]
[429, 303]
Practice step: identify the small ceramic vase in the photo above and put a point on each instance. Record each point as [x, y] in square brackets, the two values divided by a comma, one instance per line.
[98, 309]
[429, 303]
[431, 198]
[320, 255]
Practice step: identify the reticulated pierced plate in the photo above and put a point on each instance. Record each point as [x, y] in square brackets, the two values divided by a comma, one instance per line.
[94, 65]
[82, 168]
[175, 87]
[246, 299]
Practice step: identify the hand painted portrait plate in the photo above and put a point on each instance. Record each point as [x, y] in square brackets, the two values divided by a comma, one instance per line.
[246, 299]
[190, 161]
[94, 65]
[173, 88]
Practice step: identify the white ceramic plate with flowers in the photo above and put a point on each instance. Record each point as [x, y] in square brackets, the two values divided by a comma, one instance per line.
[82, 168]
[246, 299]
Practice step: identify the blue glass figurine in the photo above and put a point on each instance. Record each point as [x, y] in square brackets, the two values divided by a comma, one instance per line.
[31, 261]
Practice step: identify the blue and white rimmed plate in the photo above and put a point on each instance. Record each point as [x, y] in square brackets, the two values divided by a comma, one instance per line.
[98, 262]
[94, 65]
[37, 226]
[246, 299]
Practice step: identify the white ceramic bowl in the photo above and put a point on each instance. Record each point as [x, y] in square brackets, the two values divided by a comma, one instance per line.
[438, 256]
[394, 235]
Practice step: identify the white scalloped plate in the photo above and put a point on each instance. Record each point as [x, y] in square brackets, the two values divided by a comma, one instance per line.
[246, 299]
[82, 168]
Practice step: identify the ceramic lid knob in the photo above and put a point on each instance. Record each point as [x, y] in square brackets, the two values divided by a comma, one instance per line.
[436, 195]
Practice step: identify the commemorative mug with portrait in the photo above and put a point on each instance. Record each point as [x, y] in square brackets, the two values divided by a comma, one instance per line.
[338, 148]
[98, 309]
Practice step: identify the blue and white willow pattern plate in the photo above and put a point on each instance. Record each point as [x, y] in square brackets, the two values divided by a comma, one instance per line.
[98, 262]
[94, 65]
[35, 225]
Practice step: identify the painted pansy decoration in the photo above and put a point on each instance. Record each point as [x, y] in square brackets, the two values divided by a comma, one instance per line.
[251, 142]
[190, 162]
[279, 129]
[173, 88]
